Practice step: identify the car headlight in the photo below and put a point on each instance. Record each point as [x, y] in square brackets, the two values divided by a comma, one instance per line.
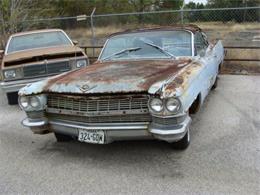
[24, 102]
[81, 63]
[33, 103]
[173, 105]
[156, 105]
[9, 74]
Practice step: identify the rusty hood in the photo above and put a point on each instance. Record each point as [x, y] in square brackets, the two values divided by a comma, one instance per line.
[111, 77]
[47, 51]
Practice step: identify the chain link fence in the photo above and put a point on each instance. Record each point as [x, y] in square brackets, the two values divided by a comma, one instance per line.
[233, 25]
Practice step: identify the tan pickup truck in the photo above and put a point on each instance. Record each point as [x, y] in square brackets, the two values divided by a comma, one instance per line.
[35, 55]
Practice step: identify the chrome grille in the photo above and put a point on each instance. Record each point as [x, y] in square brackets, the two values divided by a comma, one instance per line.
[46, 69]
[168, 121]
[101, 109]
[99, 104]
[35, 114]
[34, 70]
[102, 119]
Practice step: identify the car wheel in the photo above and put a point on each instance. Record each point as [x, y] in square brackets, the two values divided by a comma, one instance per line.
[215, 85]
[62, 137]
[12, 98]
[183, 143]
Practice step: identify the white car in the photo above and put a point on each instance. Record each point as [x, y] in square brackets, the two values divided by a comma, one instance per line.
[145, 85]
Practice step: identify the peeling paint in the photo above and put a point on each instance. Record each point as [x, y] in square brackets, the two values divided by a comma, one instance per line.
[110, 77]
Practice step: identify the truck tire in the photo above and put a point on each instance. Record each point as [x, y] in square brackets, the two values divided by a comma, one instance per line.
[62, 137]
[12, 98]
[183, 143]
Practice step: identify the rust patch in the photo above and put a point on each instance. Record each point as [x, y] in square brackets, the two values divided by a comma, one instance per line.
[27, 54]
[134, 75]
[181, 80]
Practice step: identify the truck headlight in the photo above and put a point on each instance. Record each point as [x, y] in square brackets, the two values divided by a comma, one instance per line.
[9, 74]
[81, 63]
[33, 103]
[173, 105]
[156, 105]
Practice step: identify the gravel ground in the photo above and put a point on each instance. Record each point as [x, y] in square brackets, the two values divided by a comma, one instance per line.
[223, 157]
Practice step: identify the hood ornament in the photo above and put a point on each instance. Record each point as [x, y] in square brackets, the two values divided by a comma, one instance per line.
[84, 88]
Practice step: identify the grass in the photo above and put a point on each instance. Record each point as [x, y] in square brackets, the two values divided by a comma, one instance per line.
[84, 35]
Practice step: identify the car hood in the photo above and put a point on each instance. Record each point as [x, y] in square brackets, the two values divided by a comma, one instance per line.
[111, 77]
[47, 51]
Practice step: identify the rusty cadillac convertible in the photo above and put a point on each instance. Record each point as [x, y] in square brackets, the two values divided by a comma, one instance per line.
[145, 85]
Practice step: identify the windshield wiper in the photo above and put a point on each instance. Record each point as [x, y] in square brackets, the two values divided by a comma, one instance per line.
[121, 52]
[160, 49]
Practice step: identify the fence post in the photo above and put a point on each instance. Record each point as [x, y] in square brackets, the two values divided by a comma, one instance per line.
[92, 29]
[182, 13]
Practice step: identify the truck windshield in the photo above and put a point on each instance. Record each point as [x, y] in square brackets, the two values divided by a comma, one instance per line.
[37, 40]
[152, 44]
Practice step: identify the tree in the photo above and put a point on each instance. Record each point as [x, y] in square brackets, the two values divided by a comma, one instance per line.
[236, 15]
[196, 15]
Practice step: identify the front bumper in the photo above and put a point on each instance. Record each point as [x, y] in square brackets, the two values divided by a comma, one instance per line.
[114, 131]
[15, 86]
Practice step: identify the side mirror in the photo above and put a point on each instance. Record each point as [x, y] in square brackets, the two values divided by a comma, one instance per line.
[75, 42]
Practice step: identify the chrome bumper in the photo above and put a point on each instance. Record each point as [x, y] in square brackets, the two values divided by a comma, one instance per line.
[15, 86]
[114, 131]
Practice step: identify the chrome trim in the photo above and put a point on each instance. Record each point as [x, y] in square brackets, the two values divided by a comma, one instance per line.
[168, 116]
[105, 126]
[122, 118]
[169, 130]
[37, 123]
[114, 131]
[171, 133]
[133, 132]
[192, 44]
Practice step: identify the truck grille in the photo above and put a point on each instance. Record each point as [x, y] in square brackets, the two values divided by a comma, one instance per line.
[46, 69]
[99, 109]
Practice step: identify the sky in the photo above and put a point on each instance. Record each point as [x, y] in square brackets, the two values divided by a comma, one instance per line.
[196, 1]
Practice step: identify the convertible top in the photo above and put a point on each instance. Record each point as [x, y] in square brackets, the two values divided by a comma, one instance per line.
[189, 27]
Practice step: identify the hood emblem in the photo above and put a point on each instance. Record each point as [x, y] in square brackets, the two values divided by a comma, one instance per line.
[84, 88]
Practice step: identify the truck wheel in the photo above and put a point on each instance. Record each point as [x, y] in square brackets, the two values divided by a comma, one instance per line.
[183, 143]
[62, 138]
[12, 98]
[215, 85]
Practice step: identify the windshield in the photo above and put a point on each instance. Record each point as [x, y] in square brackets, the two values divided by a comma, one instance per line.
[156, 44]
[37, 40]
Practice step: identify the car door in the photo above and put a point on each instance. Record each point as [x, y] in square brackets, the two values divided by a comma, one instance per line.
[208, 56]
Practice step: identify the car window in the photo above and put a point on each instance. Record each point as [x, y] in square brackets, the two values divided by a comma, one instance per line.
[200, 44]
[177, 43]
[37, 40]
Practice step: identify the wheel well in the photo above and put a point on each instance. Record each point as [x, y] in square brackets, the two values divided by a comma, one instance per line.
[220, 67]
[195, 106]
